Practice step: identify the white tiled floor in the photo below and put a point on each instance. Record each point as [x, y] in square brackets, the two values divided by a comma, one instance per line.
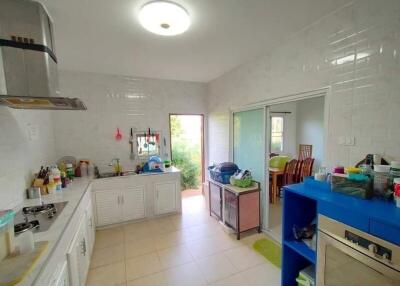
[189, 249]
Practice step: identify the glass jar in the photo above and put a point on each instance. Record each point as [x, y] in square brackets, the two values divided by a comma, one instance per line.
[394, 170]
[381, 181]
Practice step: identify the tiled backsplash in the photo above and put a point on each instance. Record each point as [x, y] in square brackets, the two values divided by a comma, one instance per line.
[123, 102]
[26, 143]
[355, 51]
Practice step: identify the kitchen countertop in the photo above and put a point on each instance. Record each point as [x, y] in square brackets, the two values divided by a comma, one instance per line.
[168, 171]
[384, 211]
[73, 195]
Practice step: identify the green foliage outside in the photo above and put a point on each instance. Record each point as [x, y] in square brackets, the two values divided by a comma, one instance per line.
[186, 156]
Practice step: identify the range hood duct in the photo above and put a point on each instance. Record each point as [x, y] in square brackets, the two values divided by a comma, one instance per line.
[28, 62]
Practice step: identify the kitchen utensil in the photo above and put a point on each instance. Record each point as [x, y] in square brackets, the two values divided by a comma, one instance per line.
[34, 193]
[132, 155]
[118, 135]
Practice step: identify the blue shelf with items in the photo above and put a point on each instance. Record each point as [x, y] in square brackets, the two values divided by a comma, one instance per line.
[298, 211]
[303, 202]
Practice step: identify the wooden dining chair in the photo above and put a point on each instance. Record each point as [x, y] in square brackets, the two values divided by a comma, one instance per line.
[290, 174]
[273, 155]
[306, 168]
[305, 151]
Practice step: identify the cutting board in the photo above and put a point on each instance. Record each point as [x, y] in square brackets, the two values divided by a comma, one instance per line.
[14, 269]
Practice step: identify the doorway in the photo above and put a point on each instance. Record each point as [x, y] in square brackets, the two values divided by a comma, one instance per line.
[187, 151]
[293, 126]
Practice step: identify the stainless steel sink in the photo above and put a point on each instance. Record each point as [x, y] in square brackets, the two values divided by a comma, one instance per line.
[112, 174]
[106, 175]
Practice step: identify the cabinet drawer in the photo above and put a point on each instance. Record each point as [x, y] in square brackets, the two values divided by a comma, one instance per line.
[385, 231]
[343, 215]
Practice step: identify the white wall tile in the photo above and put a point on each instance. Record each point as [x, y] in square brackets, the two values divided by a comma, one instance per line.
[365, 94]
[20, 154]
[123, 102]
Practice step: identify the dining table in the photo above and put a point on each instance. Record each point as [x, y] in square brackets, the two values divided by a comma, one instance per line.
[274, 173]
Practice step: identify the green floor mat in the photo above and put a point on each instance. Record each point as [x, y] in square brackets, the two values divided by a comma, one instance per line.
[270, 250]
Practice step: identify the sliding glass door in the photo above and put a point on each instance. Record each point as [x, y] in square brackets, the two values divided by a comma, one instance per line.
[249, 146]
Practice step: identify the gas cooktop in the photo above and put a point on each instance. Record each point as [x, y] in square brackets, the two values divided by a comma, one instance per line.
[37, 218]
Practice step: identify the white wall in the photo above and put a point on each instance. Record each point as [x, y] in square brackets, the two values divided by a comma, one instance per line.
[289, 126]
[22, 152]
[364, 97]
[310, 127]
[119, 101]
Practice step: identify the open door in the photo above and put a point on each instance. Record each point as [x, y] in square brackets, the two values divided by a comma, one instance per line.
[249, 148]
[187, 150]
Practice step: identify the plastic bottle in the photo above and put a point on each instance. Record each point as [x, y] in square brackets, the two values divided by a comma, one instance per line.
[56, 178]
[70, 171]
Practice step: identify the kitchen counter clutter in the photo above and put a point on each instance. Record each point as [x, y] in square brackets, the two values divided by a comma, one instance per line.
[88, 203]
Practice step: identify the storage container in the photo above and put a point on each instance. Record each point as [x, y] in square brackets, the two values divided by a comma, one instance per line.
[222, 172]
[6, 233]
[394, 171]
[355, 185]
[306, 276]
[381, 181]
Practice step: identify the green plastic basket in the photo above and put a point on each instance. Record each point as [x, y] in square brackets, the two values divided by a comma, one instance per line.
[244, 183]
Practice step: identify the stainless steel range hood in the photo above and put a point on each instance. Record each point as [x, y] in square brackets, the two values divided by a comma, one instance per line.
[28, 62]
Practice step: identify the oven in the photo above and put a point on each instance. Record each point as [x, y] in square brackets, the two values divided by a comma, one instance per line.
[348, 256]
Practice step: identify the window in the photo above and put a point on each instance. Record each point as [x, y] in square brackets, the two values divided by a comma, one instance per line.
[276, 145]
[148, 144]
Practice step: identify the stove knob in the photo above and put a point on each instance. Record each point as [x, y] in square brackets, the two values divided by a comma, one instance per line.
[373, 248]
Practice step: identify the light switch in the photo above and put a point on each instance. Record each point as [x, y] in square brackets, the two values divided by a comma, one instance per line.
[33, 132]
[350, 141]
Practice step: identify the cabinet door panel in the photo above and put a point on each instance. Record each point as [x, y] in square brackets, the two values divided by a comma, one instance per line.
[231, 211]
[108, 208]
[215, 200]
[78, 256]
[91, 229]
[165, 197]
[133, 203]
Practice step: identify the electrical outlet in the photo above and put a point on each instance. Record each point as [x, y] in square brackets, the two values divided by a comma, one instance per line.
[33, 132]
[346, 140]
[350, 141]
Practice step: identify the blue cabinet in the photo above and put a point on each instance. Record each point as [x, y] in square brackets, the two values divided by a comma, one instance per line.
[303, 202]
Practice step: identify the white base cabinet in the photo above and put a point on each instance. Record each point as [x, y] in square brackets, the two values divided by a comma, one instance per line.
[107, 207]
[122, 199]
[78, 256]
[68, 264]
[165, 197]
[133, 206]
[114, 206]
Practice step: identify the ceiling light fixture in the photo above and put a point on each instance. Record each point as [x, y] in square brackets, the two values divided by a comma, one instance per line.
[164, 18]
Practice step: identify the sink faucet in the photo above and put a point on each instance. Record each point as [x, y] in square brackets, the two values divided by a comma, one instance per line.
[117, 166]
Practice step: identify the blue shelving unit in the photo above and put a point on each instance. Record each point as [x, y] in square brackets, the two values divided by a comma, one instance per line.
[298, 211]
[303, 202]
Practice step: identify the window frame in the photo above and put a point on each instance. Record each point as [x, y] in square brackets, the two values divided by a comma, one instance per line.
[279, 115]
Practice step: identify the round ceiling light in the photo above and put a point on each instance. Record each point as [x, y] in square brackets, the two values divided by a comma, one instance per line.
[164, 18]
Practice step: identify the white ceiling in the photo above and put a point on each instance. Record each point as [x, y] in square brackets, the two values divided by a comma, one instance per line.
[105, 36]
